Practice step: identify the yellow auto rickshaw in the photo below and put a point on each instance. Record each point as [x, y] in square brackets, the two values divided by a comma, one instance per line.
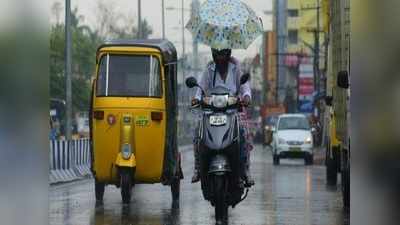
[133, 125]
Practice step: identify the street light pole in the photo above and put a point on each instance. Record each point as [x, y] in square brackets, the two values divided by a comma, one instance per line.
[183, 52]
[163, 18]
[194, 10]
[316, 47]
[139, 36]
[183, 31]
[68, 90]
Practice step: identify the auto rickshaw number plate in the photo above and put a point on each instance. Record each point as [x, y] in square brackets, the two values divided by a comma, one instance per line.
[142, 121]
[218, 120]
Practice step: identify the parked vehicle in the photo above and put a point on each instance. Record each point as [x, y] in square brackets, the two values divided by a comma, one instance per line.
[338, 88]
[133, 125]
[219, 149]
[293, 138]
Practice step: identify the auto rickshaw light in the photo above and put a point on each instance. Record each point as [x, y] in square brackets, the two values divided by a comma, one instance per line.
[126, 151]
[111, 119]
[99, 115]
[156, 116]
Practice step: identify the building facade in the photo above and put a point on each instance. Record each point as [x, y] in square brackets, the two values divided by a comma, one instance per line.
[305, 53]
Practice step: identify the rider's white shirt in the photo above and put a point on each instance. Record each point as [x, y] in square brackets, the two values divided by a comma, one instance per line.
[231, 82]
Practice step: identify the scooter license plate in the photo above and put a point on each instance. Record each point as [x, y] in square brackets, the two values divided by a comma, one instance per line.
[218, 120]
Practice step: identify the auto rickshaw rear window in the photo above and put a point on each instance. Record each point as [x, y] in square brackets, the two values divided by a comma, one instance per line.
[129, 76]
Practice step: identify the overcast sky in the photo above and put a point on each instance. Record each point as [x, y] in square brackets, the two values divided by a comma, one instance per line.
[151, 11]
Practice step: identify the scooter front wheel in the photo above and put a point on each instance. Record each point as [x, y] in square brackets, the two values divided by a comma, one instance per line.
[220, 201]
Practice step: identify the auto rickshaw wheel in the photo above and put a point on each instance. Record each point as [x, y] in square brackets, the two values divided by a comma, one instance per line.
[309, 159]
[346, 188]
[276, 159]
[126, 184]
[331, 166]
[99, 190]
[175, 190]
[345, 175]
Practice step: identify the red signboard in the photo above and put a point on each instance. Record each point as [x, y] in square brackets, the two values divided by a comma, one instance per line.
[306, 82]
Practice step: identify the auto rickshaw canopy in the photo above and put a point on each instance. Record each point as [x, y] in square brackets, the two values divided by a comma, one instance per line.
[166, 48]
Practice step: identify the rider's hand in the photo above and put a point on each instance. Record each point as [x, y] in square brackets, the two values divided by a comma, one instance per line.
[195, 102]
[246, 100]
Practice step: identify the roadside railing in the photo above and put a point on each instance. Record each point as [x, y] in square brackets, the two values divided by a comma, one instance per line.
[69, 160]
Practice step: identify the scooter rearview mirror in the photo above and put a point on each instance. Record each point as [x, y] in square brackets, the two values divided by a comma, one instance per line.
[191, 82]
[245, 77]
[343, 79]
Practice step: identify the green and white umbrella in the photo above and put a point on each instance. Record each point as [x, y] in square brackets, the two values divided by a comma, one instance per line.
[223, 24]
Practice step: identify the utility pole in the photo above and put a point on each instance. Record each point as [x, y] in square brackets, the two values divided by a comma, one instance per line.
[316, 53]
[316, 48]
[163, 18]
[68, 90]
[139, 20]
[183, 53]
[280, 12]
[195, 8]
[183, 32]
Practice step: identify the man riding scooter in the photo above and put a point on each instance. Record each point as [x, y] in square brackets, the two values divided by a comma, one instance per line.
[225, 71]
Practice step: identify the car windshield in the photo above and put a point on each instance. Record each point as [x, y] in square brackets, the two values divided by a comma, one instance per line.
[129, 76]
[288, 123]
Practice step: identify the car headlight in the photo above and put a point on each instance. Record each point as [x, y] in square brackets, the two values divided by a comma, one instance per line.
[220, 101]
[281, 141]
[308, 140]
[126, 151]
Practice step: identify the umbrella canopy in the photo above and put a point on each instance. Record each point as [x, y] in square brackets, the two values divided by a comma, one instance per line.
[223, 24]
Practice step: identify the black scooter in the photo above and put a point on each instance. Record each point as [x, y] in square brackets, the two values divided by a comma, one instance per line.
[219, 149]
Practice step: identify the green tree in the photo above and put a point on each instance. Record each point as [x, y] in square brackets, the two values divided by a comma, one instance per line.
[84, 44]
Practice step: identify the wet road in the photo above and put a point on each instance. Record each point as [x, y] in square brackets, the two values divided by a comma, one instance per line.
[289, 194]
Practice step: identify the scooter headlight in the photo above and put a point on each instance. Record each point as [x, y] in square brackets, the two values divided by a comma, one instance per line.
[220, 101]
[126, 151]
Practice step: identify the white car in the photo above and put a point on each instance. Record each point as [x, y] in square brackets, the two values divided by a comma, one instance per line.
[292, 138]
